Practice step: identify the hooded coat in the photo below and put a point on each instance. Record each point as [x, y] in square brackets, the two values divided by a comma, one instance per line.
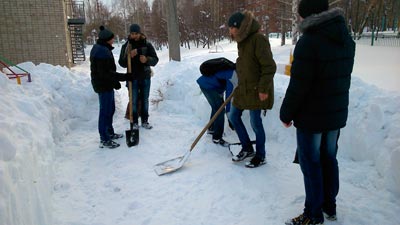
[317, 97]
[255, 67]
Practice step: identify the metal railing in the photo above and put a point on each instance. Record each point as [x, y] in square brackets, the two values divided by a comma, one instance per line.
[382, 39]
[75, 10]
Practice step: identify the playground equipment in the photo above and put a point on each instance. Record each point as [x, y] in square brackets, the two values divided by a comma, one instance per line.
[11, 74]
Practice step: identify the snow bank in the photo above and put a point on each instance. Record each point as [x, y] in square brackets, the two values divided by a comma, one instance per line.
[372, 132]
[33, 118]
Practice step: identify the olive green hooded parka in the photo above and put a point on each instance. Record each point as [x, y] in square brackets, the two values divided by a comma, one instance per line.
[255, 67]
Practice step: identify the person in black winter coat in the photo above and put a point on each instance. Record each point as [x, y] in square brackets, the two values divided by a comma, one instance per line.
[143, 55]
[104, 80]
[317, 100]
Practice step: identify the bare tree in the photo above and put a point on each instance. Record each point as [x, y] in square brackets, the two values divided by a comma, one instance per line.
[173, 31]
[295, 21]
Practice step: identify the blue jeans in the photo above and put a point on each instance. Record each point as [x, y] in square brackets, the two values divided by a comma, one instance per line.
[106, 113]
[317, 157]
[215, 100]
[141, 89]
[235, 116]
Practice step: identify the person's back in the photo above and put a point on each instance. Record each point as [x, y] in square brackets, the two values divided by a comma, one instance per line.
[324, 55]
[213, 86]
[317, 101]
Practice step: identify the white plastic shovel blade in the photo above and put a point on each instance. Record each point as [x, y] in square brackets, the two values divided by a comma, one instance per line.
[171, 165]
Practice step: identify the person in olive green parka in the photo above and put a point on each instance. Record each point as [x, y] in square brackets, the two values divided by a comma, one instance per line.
[255, 68]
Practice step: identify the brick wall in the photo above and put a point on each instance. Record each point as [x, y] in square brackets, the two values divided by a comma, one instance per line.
[33, 30]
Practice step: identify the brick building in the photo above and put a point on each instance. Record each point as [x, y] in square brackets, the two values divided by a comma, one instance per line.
[40, 31]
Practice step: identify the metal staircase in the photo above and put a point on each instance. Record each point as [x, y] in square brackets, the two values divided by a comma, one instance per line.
[75, 11]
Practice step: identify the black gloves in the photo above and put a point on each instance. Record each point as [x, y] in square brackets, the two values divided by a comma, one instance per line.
[129, 77]
[123, 76]
[117, 85]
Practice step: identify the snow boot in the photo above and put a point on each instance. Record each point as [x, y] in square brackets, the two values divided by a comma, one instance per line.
[108, 144]
[255, 162]
[303, 220]
[147, 125]
[116, 136]
[221, 142]
[244, 153]
[330, 217]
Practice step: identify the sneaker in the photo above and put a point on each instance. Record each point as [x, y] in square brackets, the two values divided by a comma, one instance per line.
[135, 126]
[255, 162]
[209, 131]
[147, 125]
[221, 142]
[243, 154]
[303, 220]
[116, 136]
[108, 144]
[330, 217]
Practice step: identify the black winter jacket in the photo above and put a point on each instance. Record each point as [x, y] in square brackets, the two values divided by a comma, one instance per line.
[140, 70]
[103, 68]
[317, 97]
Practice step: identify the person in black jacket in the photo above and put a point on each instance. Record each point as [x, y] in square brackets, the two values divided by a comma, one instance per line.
[142, 56]
[317, 100]
[104, 80]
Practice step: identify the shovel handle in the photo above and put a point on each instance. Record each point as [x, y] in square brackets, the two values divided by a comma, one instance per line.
[128, 55]
[212, 120]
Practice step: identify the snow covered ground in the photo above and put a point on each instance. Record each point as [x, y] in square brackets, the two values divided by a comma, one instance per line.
[53, 173]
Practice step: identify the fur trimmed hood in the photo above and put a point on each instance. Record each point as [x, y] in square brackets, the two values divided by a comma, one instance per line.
[248, 26]
[328, 23]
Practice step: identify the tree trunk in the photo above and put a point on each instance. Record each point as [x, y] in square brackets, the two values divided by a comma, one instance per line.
[371, 8]
[173, 31]
[295, 22]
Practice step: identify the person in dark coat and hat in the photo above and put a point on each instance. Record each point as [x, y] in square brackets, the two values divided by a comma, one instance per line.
[316, 101]
[255, 69]
[143, 55]
[104, 80]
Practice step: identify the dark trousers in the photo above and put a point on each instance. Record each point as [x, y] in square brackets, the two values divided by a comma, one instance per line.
[215, 100]
[106, 113]
[317, 157]
[142, 86]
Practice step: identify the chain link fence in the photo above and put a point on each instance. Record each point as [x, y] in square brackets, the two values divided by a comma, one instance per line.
[391, 39]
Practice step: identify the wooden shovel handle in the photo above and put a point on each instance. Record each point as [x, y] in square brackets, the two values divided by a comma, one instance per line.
[128, 55]
[212, 120]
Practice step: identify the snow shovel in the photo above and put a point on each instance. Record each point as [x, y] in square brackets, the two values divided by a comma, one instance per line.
[173, 165]
[132, 135]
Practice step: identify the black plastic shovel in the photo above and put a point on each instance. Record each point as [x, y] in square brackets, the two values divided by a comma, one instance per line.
[132, 135]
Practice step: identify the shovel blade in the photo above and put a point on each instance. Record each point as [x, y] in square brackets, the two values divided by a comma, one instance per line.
[171, 165]
[132, 137]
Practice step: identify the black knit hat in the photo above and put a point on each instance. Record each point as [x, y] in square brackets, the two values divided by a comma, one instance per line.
[236, 19]
[105, 34]
[309, 7]
[134, 28]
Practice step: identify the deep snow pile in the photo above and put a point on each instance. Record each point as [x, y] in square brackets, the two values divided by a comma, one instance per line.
[48, 147]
